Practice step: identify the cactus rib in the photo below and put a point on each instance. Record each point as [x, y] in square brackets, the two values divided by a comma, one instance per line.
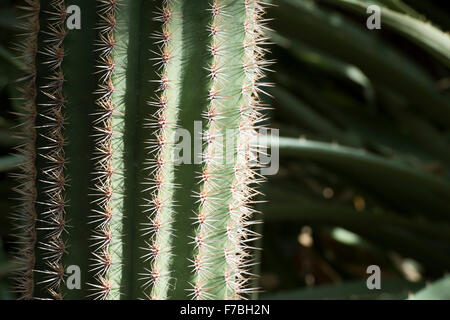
[108, 126]
[25, 215]
[221, 264]
[161, 204]
[53, 219]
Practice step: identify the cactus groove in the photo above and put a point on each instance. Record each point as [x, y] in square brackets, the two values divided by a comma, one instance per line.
[102, 187]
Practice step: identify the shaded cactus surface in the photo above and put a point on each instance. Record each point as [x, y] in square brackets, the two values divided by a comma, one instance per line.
[103, 187]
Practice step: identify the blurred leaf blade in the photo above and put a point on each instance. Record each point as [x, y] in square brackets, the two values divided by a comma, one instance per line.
[388, 177]
[408, 237]
[439, 290]
[333, 33]
[8, 163]
[424, 34]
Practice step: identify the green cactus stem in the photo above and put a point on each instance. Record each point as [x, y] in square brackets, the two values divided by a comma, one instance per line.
[103, 187]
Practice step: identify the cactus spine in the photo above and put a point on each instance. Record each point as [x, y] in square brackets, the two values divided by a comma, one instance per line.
[25, 216]
[107, 192]
[161, 208]
[52, 102]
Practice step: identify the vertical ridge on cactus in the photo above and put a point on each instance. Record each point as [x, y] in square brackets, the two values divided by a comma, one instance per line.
[25, 216]
[105, 216]
[51, 109]
[217, 243]
[161, 205]
[113, 192]
[221, 263]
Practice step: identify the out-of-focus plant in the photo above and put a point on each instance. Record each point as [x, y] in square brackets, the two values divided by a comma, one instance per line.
[365, 123]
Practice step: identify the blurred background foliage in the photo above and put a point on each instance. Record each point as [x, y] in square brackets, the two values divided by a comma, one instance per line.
[364, 179]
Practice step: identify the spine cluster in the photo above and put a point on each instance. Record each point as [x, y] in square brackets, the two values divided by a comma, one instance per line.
[104, 169]
[53, 217]
[25, 216]
[161, 206]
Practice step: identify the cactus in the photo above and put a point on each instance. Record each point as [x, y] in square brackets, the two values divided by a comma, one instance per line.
[102, 187]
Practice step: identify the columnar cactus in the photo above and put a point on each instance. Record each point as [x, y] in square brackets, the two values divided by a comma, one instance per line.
[103, 187]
